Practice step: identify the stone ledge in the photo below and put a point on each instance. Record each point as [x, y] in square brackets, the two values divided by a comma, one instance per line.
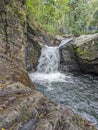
[36, 112]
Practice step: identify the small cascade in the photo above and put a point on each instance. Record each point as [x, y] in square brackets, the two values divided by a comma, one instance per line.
[64, 41]
[48, 67]
[49, 60]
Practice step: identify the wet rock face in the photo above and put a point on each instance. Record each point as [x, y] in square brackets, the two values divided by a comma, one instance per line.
[32, 55]
[68, 61]
[86, 49]
[35, 41]
[13, 41]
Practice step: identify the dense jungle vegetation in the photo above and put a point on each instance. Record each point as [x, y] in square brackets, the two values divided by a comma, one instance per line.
[65, 16]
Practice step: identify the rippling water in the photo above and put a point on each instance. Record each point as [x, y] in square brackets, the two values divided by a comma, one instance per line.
[80, 92]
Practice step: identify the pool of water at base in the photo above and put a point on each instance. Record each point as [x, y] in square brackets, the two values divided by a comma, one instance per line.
[80, 92]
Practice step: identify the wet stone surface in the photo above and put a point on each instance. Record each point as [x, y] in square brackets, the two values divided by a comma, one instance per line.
[33, 111]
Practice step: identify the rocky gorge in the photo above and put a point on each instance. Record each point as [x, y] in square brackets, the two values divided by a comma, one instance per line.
[22, 107]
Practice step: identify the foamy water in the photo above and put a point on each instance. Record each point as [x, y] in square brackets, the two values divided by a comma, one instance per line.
[49, 78]
[48, 67]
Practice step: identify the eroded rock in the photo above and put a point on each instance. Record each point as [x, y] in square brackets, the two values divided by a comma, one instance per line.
[15, 88]
[13, 42]
[44, 124]
[36, 112]
[86, 49]
[68, 61]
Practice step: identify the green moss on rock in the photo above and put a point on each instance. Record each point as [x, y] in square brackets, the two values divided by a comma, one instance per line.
[87, 53]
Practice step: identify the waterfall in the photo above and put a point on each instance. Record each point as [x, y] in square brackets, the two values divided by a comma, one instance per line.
[49, 60]
[48, 65]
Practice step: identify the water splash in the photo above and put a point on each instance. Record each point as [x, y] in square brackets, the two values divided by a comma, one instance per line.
[43, 78]
[64, 41]
[48, 67]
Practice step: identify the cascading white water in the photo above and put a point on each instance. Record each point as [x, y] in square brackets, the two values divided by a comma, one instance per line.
[48, 67]
[49, 60]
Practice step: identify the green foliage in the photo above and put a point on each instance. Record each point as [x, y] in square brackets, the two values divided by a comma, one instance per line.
[64, 16]
[96, 14]
[77, 16]
[49, 14]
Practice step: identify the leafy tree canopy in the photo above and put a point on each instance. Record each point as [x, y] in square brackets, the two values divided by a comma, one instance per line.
[64, 16]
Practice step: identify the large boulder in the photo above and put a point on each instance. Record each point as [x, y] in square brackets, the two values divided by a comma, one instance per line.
[68, 61]
[86, 49]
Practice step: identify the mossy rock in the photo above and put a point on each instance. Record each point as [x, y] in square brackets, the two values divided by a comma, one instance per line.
[86, 51]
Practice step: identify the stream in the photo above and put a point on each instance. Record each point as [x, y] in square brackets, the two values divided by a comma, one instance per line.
[77, 91]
